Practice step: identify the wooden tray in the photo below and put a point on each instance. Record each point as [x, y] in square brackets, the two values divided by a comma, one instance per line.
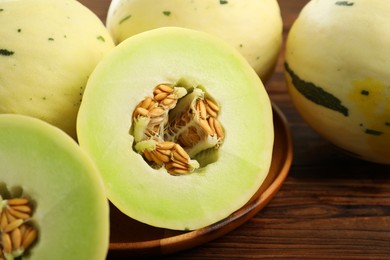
[130, 237]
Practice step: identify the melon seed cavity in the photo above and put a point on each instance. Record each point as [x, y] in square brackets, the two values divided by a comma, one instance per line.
[17, 233]
[174, 125]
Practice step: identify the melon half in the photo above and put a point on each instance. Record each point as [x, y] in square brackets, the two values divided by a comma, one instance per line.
[68, 206]
[222, 177]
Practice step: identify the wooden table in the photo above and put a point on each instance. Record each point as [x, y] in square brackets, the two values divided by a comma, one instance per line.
[331, 206]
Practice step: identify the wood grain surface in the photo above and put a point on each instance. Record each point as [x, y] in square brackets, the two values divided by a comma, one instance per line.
[331, 206]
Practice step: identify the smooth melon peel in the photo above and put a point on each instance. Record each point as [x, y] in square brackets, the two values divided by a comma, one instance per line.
[155, 197]
[46, 56]
[253, 27]
[338, 79]
[70, 208]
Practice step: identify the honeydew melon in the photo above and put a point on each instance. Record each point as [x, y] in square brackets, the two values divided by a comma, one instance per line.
[253, 27]
[69, 207]
[48, 49]
[337, 61]
[224, 177]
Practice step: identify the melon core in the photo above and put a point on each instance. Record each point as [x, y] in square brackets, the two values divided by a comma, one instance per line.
[228, 174]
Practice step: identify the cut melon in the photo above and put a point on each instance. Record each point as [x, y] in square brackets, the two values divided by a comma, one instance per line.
[68, 206]
[227, 174]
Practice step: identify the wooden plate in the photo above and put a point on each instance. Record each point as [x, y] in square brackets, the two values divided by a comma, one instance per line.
[130, 237]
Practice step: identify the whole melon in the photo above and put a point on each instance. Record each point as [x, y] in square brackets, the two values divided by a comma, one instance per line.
[48, 49]
[253, 27]
[337, 69]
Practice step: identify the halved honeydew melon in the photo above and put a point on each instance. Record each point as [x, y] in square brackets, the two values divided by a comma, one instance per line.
[69, 209]
[227, 176]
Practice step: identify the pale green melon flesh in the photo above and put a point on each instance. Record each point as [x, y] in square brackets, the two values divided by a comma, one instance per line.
[129, 73]
[48, 49]
[71, 210]
[253, 27]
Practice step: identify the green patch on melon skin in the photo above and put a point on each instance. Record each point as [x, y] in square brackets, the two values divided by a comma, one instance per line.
[5, 52]
[344, 3]
[174, 56]
[124, 19]
[373, 132]
[316, 94]
[70, 208]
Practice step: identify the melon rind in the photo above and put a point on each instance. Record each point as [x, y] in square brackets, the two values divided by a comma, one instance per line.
[71, 210]
[128, 74]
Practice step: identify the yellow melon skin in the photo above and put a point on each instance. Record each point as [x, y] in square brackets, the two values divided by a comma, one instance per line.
[48, 49]
[253, 27]
[337, 71]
